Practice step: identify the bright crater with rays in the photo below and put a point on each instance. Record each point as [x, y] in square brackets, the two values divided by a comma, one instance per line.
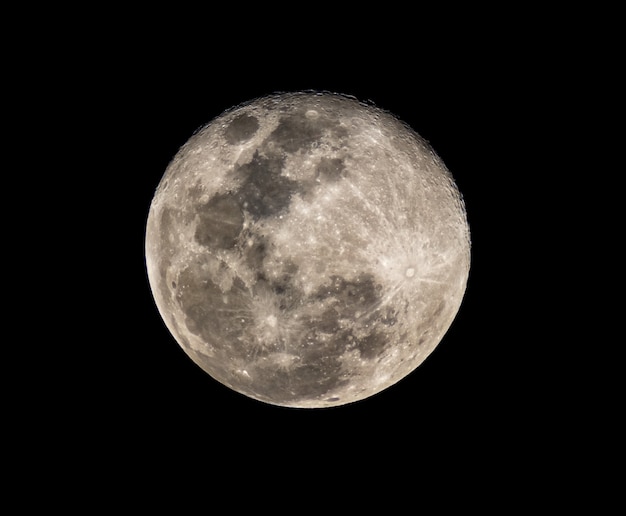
[307, 250]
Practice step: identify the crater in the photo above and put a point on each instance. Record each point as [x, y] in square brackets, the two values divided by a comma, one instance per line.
[241, 129]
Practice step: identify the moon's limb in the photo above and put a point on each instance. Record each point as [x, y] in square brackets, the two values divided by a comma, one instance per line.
[307, 250]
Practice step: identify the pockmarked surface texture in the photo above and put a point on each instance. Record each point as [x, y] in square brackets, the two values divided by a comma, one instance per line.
[307, 250]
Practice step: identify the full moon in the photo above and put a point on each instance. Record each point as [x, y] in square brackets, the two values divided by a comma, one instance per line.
[307, 250]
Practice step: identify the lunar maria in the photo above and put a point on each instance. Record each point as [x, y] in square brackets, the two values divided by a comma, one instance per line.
[307, 250]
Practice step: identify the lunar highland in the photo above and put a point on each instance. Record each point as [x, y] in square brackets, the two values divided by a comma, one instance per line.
[307, 250]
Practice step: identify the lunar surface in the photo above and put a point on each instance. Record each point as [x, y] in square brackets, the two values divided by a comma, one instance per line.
[307, 249]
